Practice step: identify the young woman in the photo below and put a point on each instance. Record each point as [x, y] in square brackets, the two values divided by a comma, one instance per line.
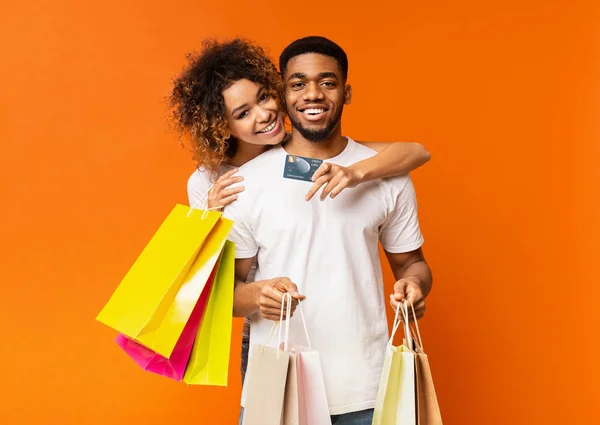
[228, 104]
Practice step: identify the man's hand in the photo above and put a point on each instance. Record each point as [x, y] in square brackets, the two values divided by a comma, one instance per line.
[409, 289]
[271, 297]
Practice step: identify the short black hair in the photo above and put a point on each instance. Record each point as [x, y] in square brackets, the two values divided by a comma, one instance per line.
[314, 44]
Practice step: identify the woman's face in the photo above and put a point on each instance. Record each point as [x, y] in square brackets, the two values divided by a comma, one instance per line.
[252, 114]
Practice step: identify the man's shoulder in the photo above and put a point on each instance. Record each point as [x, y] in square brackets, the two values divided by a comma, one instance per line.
[200, 179]
[356, 151]
[397, 184]
[263, 163]
[361, 147]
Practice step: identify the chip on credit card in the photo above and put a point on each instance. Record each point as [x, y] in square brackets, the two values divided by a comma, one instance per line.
[300, 167]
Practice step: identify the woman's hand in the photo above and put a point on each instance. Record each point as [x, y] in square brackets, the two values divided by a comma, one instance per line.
[221, 194]
[335, 178]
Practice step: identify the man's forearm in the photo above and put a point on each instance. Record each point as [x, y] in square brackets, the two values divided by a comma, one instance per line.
[246, 298]
[418, 271]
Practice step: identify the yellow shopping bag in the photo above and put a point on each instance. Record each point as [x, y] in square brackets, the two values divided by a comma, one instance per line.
[157, 295]
[209, 361]
[396, 402]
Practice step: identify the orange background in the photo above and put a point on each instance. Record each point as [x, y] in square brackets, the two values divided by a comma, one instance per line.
[504, 94]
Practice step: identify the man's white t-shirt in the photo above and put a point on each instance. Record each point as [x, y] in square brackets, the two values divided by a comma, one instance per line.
[330, 250]
[200, 183]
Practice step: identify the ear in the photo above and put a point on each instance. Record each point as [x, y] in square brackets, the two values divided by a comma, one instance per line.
[347, 94]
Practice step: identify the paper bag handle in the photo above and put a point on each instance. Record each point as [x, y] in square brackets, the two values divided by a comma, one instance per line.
[200, 201]
[416, 322]
[396, 325]
[286, 304]
[277, 326]
[288, 297]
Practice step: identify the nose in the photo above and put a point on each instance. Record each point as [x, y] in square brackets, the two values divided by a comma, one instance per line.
[313, 92]
[262, 114]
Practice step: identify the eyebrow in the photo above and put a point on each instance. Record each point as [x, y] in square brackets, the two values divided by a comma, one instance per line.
[302, 75]
[245, 105]
[298, 75]
[328, 75]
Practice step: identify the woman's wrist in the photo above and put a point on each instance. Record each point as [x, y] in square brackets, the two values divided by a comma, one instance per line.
[361, 173]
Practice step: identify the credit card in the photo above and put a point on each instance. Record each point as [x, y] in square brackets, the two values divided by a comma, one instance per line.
[300, 167]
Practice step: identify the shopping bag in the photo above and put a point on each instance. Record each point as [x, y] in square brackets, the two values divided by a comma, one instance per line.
[265, 386]
[313, 408]
[174, 366]
[269, 378]
[209, 360]
[305, 400]
[304, 397]
[428, 409]
[157, 296]
[396, 401]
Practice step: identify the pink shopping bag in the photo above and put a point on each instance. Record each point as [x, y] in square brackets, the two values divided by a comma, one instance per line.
[174, 366]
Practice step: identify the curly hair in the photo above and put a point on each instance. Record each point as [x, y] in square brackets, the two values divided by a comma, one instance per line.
[197, 99]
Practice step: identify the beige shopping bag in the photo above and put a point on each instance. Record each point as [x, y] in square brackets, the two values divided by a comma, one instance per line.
[287, 396]
[428, 409]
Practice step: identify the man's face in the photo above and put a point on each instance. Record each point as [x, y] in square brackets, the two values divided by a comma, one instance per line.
[315, 95]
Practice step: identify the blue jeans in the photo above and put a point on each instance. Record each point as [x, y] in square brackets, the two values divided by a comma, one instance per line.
[364, 417]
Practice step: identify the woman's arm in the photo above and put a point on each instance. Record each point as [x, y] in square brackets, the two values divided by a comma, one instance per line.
[392, 159]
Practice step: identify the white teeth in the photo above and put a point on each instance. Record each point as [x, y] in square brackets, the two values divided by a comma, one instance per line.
[269, 128]
[314, 111]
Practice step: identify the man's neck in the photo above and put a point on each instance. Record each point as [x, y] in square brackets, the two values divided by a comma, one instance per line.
[331, 147]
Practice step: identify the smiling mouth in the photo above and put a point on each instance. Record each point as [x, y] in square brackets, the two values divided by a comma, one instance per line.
[268, 128]
[313, 112]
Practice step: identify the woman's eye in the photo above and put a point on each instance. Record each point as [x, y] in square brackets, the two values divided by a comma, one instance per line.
[264, 97]
[243, 115]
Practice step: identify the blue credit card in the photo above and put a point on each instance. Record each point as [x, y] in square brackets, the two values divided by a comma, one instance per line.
[300, 167]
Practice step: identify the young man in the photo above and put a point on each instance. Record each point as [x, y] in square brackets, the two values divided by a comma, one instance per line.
[326, 251]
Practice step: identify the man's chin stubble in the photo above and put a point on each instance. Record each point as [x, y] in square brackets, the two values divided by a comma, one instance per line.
[316, 136]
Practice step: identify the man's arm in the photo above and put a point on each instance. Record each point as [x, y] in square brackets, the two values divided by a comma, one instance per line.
[413, 277]
[246, 295]
[264, 296]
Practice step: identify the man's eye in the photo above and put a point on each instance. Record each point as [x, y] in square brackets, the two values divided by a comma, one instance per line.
[297, 85]
[329, 84]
